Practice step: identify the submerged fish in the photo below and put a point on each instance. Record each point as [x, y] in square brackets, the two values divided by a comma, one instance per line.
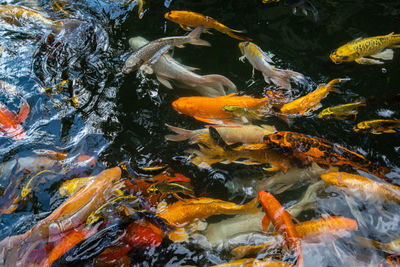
[303, 4]
[359, 49]
[71, 186]
[246, 134]
[305, 104]
[341, 111]
[169, 70]
[210, 109]
[171, 188]
[307, 149]
[10, 123]
[378, 126]
[362, 186]
[244, 114]
[181, 213]
[70, 214]
[392, 247]
[187, 19]
[282, 221]
[18, 14]
[151, 52]
[262, 62]
[115, 205]
[315, 231]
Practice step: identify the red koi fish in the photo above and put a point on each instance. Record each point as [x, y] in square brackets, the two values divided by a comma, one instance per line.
[281, 219]
[10, 123]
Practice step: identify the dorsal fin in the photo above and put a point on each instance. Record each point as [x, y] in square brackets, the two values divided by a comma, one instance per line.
[216, 137]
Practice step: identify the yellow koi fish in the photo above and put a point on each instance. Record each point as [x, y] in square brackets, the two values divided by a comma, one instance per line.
[250, 262]
[262, 62]
[378, 126]
[374, 47]
[71, 186]
[341, 111]
[311, 101]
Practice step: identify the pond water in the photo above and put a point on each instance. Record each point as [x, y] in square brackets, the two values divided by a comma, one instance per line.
[115, 117]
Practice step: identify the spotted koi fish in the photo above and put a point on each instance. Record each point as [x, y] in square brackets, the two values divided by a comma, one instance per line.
[358, 49]
[307, 149]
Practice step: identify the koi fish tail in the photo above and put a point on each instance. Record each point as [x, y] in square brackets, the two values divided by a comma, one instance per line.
[194, 37]
[233, 35]
[336, 81]
[218, 82]
[282, 78]
[250, 207]
[181, 134]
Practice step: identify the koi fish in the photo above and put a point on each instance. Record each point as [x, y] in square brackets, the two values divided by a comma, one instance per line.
[71, 213]
[341, 111]
[315, 231]
[210, 109]
[362, 186]
[171, 188]
[10, 123]
[26, 189]
[17, 14]
[305, 104]
[104, 238]
[140, 4]
[187, 19]
[281, 219]
[378, 126]
[68, 241]
[321, 151]
[246, 154]
[169, 70]
[113, 206]
[249, 262]
[71, 186]
[392, 247]
[246, 134]
[181, 213]
[151, 52]
[359, 49]
[262, 62]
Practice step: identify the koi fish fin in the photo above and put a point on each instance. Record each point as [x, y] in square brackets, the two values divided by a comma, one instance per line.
[368, 61]
[194, 37]
[282, 188]
[164, 82]
[220, 141]
[168, 57]
[355, 211]
[181, 134]
[386, 54]
[265, 223]
[185, 28]
[179, 235]
[159, 53]
[269, 128]
[218, 82]
[250, 207]
[203, 162]
[211, 121]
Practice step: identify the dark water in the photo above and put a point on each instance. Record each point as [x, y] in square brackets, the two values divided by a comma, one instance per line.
[121, 117]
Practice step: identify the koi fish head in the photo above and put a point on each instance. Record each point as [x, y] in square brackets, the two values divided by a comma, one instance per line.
[172, 16]
[242, 46]
[326, 114]
[343, 54]
[153, 189]
[277, 141]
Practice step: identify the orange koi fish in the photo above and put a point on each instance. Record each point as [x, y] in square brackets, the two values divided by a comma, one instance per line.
[67, 242]
[362, 186]
[181, 213]
[311, 101]
[282, 221]
[71, 213]
[250, 262]
[315, 231]
[210, 109]
[187, 19]
[10, 123]
[309, 149]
